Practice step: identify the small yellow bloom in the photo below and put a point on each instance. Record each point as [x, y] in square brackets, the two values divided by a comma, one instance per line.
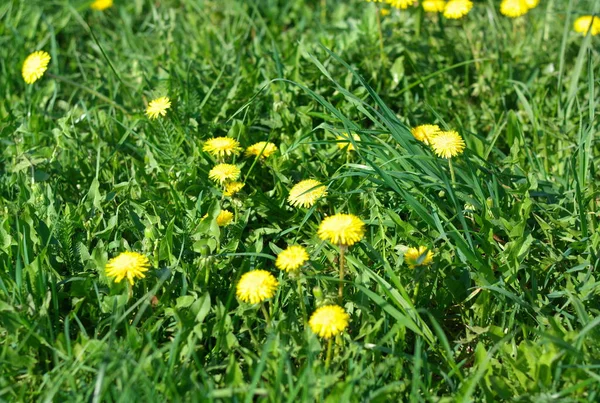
[401, 4]
[224, 218]
[514, 8]
[232, 188]
[456, 9]
[434, 6]
[532, 3]
[385, 12]
[425, 133]
[447, 144]
[306, 193]
[420, 256]
[292, 258]
[587, 23]
[101, 5]
[128, 264]
[35, 66]
[222, 146]
[256, 286]
[344, 141]
[266, 148]
[158, 107]
[224, 172]
[328, 321]
[342, 229]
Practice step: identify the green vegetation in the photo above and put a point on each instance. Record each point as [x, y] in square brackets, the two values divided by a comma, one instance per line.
[507, 310]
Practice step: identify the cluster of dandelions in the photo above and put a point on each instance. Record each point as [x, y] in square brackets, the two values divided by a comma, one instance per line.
[329, 320]
[456, 9]
[444, 143]
[452, 9]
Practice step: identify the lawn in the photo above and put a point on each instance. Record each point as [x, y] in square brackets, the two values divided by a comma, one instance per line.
[299, 200]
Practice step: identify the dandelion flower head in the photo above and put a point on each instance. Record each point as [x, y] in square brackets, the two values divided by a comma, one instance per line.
[587, 23]
[456, 9]
[328, 321]
[232, 188]
[342, 229]
[420, 256]
[434, 6]
[344, 141]
[224, 172]
[256, 286]
[34, 66]
[425, 133]
[224, 218]
[101, 5]
[306, 193]
[158, 107]
[222, 146]
[262, 148]
[532, 3]
[514, 8]
[401, 4]
[385, 12]
[292, 258]
[130, 265]
[447, 144]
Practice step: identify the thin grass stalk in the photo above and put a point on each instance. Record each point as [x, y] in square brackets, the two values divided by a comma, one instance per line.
[341, 262]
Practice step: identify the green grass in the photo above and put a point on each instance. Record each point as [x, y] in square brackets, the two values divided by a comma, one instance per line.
[508, 311]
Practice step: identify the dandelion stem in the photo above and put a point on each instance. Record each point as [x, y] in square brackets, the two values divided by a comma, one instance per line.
[328, 359]
[323, 11]
[451, 172]
[266, 313]
[301, 297]
[342, 261]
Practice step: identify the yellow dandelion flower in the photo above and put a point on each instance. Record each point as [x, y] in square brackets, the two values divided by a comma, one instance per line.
[385, 12]
[513, 8]
[328, 321]
[158, 107]
[232, 188]
[266, 148]
[224, 218]
[292, 258]
[401, 4]
[532, 3]
[256, 286]
[344, 141]
[222, 146]
[224, 172]
[101, 5]
[447, 144]
[587, 23]
[425, 133]
[35, 66]
[342, 229]
[420, 256]
[128, 264]
[434, 6]
[306, 193]
[456, 9]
